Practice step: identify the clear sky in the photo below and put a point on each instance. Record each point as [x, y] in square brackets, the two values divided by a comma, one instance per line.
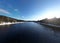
[30, 9]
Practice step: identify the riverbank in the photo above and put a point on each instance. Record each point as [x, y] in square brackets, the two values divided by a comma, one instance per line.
[51, 25]
[54, 27]
[9, 23]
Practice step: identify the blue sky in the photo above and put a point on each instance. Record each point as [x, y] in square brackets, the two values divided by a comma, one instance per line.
[30, 9]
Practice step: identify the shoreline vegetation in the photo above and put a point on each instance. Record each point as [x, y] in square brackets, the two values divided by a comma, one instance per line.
[54, 23]
[4, 20]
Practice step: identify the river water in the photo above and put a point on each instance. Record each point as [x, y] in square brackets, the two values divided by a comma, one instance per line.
[28, 32]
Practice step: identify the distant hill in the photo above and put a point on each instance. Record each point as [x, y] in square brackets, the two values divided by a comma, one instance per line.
[8, 19]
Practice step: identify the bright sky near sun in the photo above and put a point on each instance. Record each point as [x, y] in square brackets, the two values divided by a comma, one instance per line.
[30, 9]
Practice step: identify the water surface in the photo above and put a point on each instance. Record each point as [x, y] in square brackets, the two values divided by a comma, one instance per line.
[28, 32]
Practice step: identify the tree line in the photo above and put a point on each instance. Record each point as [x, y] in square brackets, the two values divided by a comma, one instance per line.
[8, 19]
[55, 21]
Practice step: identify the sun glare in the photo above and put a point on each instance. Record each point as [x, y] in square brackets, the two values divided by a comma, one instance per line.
[51, 14]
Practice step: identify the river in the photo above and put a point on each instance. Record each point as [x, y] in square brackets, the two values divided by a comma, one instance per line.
[28, 32]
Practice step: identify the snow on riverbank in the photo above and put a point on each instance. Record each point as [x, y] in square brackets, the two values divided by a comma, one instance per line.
[8, 23]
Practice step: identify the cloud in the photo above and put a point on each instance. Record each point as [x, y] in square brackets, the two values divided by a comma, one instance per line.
[15, 9]
[4, 11]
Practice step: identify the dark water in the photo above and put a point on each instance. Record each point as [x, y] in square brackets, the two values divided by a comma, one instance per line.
[28, 32]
